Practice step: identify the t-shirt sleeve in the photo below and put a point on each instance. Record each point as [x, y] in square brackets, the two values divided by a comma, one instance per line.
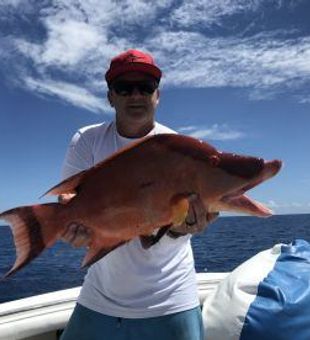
[79, 156]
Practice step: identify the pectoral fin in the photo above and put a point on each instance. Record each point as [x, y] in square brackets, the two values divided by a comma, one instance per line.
[149, 241]
[179, 207]
[98, 250]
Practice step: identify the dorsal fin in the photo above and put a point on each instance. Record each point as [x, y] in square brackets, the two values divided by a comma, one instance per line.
[68, 186]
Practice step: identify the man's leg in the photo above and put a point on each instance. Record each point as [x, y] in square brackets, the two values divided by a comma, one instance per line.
[185, 325]
[86, 324]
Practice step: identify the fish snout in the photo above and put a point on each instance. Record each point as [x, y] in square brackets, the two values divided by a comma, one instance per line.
[245, 167]
[271, 168]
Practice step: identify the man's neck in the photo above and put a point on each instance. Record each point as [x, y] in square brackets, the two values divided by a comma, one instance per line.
[134, 130]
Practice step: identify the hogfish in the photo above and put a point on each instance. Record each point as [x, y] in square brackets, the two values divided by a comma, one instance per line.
[138, 189]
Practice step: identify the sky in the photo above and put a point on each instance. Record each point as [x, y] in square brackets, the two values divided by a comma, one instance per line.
[236, 74]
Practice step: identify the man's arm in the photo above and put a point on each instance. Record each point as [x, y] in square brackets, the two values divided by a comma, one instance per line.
[78, 157]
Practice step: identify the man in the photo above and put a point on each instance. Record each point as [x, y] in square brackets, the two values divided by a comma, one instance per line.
[135, 292]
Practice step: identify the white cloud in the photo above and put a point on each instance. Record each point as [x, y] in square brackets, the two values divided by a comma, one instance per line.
[259, 61]
[191, 13]
[81, 37]
[215, 132]
[288, 207]
[11, 3]
[9, 9]
[304, 99]
[69, 42]
[106, 14]
[71, 93]
[272, 204]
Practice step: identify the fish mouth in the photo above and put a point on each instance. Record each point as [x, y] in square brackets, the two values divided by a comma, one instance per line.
[270, 169]
[238, 201]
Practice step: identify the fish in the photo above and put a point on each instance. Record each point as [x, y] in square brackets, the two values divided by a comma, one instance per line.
[141, 188]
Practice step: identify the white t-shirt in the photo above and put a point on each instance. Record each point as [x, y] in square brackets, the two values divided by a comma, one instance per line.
[132, 282]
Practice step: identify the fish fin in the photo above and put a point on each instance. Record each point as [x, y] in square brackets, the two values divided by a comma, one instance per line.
[149, 241]
[180, 207]
[76, 234]
[31, 236]
[175, 234]
[98, 250]
[68, 186]
[246, 205]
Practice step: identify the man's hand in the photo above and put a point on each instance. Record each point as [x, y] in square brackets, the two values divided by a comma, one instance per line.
[196, 220]
[65, 198]
[75, 234]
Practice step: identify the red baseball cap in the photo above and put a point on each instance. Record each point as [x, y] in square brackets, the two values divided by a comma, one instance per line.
[132, 60]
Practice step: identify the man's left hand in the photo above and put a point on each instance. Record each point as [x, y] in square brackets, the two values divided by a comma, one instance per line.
[196, 220]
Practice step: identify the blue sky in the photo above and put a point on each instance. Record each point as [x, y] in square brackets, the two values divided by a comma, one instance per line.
[236, 73]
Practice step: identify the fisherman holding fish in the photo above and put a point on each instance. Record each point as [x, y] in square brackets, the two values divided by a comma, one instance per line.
[133, 193]
[146, 288]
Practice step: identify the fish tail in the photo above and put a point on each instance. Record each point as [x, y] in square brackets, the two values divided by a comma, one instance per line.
[34, 228]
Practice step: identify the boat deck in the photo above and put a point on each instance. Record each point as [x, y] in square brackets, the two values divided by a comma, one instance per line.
[42, 317]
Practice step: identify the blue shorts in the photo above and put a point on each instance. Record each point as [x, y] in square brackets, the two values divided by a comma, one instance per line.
[86, 324]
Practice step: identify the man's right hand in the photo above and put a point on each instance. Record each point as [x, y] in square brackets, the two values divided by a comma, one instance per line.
[65, 198]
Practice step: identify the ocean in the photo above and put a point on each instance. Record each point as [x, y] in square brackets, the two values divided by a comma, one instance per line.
[225, 244]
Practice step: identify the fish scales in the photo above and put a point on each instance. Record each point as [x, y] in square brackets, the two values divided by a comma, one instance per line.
[138, 189]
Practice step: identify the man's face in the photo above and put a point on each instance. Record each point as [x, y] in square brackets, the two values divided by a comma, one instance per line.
[137, 104]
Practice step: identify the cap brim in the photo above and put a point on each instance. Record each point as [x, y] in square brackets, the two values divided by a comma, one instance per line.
[152, 70]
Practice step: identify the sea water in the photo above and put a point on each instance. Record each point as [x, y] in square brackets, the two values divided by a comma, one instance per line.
[225, 244]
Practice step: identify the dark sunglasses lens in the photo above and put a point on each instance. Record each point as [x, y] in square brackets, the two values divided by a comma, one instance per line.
[127, 88]
[122, 88]
[148, 87]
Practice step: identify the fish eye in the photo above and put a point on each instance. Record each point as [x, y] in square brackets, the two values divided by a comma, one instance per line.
[214, 160]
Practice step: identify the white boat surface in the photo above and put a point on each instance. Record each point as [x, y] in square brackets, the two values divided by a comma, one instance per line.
[43, 317]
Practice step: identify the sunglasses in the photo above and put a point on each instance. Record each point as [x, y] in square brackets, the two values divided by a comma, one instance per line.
[126, 88]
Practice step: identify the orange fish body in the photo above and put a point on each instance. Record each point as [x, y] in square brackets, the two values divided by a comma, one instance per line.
[137, 190]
